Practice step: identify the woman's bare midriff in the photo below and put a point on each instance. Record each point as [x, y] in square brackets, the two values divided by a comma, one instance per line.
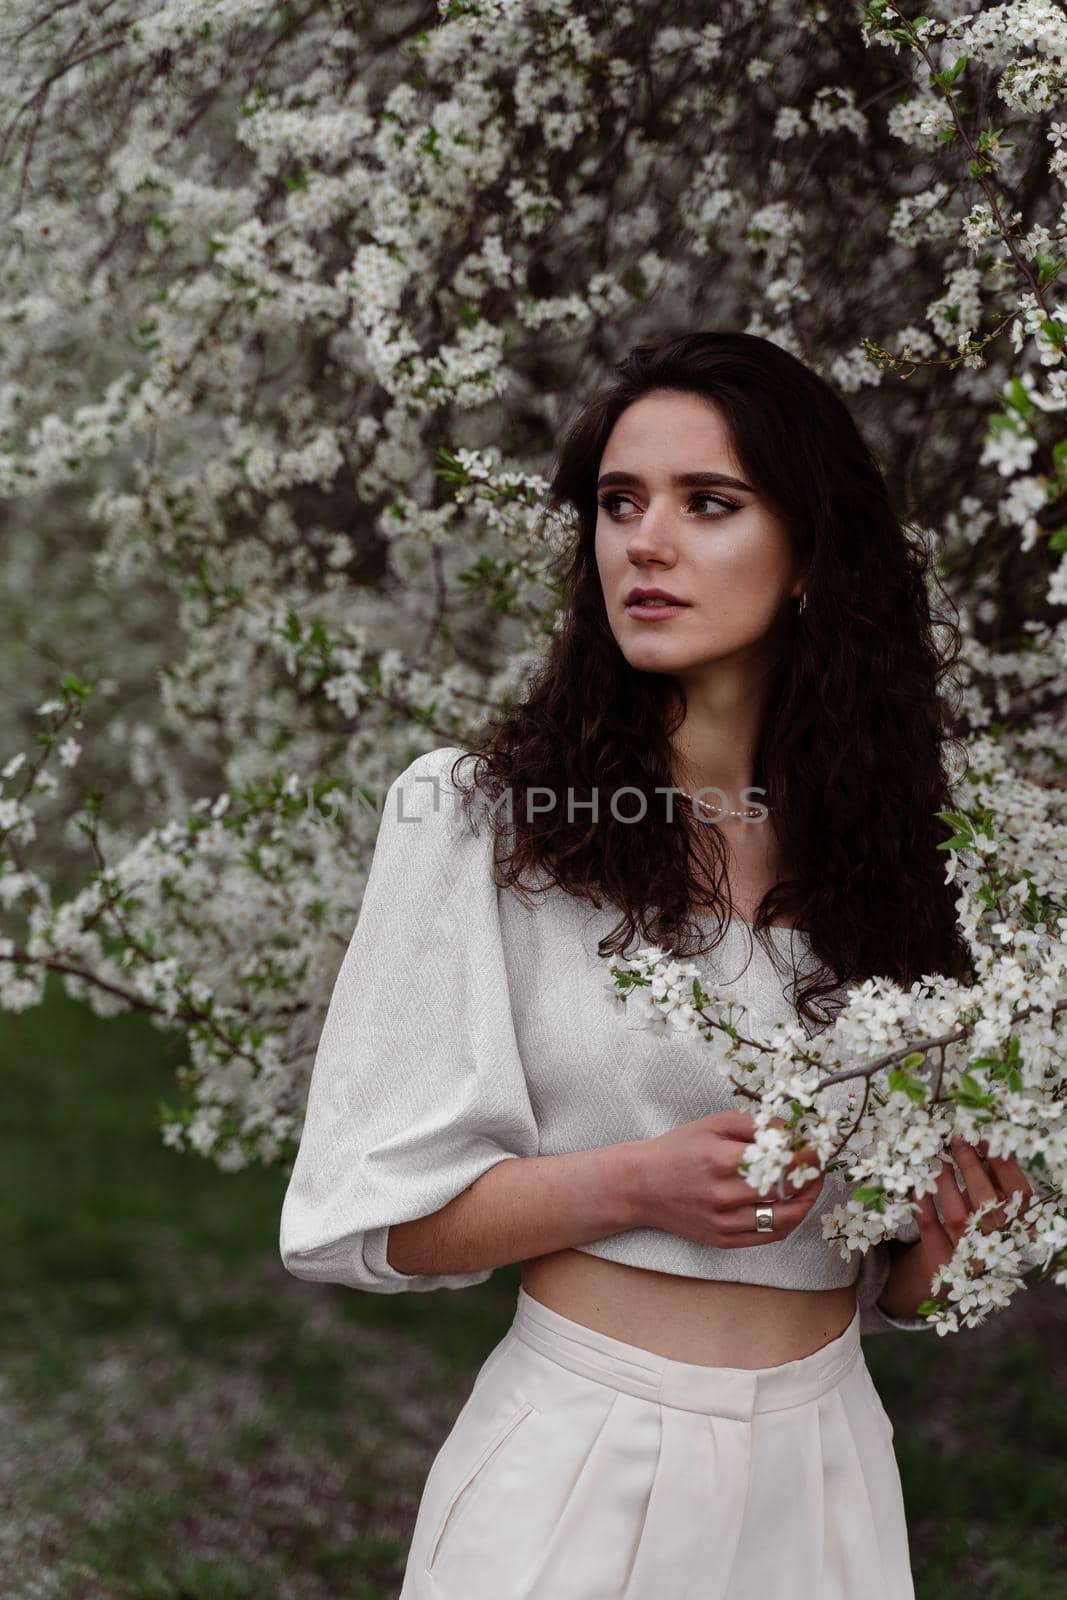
[706, 1322]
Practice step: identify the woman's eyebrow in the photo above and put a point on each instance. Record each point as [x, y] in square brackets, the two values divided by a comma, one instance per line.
[681, 480]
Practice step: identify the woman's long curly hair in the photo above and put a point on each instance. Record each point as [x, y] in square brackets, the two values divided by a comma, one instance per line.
[851, 750]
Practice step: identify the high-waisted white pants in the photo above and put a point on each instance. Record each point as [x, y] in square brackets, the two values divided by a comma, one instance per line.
[584, 1468]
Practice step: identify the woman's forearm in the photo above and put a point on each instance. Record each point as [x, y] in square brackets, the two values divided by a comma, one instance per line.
[524, 1206]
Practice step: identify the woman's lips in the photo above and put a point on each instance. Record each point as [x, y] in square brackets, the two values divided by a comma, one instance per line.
[655, 611]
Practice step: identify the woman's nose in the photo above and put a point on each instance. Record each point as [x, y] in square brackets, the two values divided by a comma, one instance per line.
[654, 534]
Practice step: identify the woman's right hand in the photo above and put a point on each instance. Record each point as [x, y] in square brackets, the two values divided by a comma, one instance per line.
[691, 1185]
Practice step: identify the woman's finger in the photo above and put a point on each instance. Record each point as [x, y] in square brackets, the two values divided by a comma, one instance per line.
[739, 1223]
[736, 1193]
[979, 1185]
[1006, 1171]
[954, 1209]
[936, 1245]
[939, 1238]
[1010, 1176]
[930, 1224]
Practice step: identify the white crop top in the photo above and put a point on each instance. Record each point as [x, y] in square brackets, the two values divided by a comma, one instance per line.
[466, 1028]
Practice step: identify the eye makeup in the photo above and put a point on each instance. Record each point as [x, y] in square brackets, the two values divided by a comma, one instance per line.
[608, 501]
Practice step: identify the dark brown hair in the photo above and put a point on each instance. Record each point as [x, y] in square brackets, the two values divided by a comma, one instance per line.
[851, 752]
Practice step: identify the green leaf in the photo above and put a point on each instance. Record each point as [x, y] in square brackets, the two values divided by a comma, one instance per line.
[947, 78]
[450, 469]
[1048, 267]
[904, 1083]
[1018, 398]
[969, 1092]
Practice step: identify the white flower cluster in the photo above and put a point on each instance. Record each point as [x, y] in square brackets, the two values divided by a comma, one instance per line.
[918, 1091]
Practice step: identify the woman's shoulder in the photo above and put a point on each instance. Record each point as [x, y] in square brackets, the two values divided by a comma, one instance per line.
[443, 755]
[426, 808]
[421, 786]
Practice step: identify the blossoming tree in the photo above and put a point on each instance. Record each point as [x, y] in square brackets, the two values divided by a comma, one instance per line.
[296, 300]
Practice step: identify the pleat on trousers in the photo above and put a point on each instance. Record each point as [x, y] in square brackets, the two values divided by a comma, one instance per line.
[585, 1468]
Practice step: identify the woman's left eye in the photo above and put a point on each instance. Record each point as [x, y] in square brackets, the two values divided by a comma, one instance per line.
[716, 500]
[611, 502]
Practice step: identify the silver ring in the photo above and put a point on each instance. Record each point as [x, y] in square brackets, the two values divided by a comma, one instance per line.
[764, 1219]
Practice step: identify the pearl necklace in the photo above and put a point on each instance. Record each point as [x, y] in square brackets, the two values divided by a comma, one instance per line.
[750, 811]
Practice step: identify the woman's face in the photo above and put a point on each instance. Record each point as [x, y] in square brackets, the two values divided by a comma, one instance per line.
[711, 541]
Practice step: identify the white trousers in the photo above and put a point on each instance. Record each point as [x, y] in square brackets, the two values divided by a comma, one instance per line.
[584, 1468]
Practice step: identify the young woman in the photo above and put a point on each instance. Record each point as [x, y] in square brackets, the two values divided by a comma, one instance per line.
[680, 1409]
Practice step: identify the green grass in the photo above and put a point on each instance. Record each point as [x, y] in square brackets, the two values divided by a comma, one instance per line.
[182, 1420]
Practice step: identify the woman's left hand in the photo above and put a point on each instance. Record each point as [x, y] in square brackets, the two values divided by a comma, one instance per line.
[1003, 1177]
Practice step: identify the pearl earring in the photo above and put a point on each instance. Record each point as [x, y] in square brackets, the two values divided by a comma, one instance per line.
[803, 602]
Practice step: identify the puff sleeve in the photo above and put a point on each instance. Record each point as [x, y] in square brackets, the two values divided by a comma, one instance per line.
[417, 1086]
